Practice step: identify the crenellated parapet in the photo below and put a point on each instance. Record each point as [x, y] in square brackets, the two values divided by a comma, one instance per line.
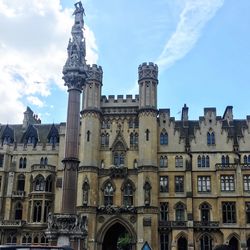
[148, 71]
[119, 100]
[95, 73]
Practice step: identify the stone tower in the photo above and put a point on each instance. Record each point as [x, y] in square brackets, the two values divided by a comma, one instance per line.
[67, 227]
[147, 167]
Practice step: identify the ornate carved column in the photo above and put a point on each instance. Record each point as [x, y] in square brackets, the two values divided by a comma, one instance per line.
[68, 228]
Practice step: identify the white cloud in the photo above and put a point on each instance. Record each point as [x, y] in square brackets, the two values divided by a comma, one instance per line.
[33, 47]
[193, 17]
[35, 101]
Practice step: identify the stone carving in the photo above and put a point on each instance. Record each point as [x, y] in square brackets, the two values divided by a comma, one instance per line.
[118, 171]
[147, 193]
[69, 224]
[148, 71]
[112, 209]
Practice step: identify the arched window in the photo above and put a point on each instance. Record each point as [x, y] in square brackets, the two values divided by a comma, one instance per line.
[210, 138]
[163, 161]
[18, 211]
[24, 162]
[164, 138]
[233, 243]
[45, 161]
[225, 160]
[207, 163]
[41, 161]
[248, 159]
[26, 239]
[163, 211]
[135, 163]
[128, 194]
[205, 242]
[180, 212]
[47, 209]
[133, 140]
[108, 194]
[20, 182]
[21, 162]
[205, 212]
[199, 161]
[85, 191]
[11, 238]
[39, 183]
[245, 159]
[182, 243]
[49, 184]
[37, 211]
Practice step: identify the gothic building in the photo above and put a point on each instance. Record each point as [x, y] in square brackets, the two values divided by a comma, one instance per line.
[143, 176]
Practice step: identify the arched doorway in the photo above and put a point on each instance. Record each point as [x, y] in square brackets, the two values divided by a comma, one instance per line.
[182, 243]
[233, 243]
[117, 238]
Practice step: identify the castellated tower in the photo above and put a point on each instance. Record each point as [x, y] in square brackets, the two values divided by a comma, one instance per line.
[147, 166]
[90, 142]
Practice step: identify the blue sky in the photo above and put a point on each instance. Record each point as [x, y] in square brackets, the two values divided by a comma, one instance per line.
[202, 48]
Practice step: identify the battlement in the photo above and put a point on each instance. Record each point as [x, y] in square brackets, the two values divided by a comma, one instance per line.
[95, 73]
[119, 100]
[148, 70]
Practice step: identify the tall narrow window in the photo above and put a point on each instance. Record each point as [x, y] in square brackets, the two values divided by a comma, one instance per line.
[178, 161]
[128, 194]
[199, 161]
[247, 212]
[206, 242]
[246, 181]
[179, 184]
[47, 209]
[20, 182]
[147, 134]
[164, 241]
[163, 161]
[163, 184]
[228, 212]
[88, 135]
[108, 194]
[163, 211]
[134, 140]
[24, 162]
[1, 160]
[104, 140]
[210, 138]
[164, 138]
[37, 211]
[48, 184]
[180, 212]
[205, 212]
[18, 211]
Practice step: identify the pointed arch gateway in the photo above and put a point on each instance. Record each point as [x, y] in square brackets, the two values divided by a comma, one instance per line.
[109, 234]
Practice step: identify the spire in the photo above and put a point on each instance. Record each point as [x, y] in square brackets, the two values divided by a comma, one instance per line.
[75, 68]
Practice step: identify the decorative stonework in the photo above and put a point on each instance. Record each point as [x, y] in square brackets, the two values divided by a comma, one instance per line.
[111, 209]
[118, 172]
[146, 71]
[66, 224]
[95, 73]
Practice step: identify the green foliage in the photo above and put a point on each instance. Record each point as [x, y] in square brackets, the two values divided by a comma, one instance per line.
[124, 241]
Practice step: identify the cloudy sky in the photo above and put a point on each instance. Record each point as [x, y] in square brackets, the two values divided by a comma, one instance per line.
[202, 48]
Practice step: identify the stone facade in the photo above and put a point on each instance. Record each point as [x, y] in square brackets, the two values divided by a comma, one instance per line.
[175, 184]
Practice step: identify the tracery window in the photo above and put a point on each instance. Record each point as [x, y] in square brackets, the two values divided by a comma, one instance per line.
[39, 183]
[128, 194]
[37, 211]
[163, 211]
[11, 238]
[164, 241]
[179, 184]
[49, 184]
[206, 242]
[203, 161]
[225, 160]
[26, 239]
[108, 193]
[228, 212]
